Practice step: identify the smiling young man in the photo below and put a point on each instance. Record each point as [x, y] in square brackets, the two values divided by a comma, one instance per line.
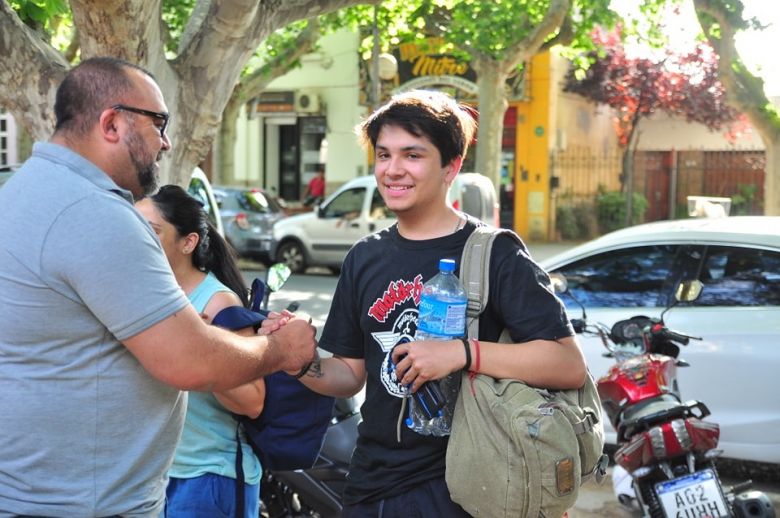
[419, 140]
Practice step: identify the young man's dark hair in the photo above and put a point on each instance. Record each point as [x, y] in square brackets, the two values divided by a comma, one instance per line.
[449, 125]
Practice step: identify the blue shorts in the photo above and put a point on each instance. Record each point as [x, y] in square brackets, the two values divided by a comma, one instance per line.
[431, 498]
[209, 496]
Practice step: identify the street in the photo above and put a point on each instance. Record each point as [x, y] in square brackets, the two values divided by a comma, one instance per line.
[314, 291]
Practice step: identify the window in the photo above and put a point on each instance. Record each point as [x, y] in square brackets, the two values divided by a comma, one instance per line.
[633, 277]
[5, 139]
[378, 208]
[735, 276]
[346, 205]
[256, 201]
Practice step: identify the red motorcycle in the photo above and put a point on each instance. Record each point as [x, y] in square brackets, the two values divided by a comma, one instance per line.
[665, 444]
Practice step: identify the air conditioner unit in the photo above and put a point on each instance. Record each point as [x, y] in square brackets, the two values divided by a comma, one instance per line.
[307, 101]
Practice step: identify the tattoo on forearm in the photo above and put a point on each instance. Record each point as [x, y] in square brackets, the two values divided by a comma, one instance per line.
[315, 369]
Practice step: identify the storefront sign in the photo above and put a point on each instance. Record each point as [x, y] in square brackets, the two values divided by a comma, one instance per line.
[424, 64]
[275, 102]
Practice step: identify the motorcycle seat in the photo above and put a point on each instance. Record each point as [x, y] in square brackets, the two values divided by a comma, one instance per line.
[662, 409]
[644, 414]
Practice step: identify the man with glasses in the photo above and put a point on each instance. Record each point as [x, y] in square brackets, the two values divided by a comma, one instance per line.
[97, 340]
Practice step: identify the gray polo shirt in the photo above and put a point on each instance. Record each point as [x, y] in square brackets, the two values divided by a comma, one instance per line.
[84, 429]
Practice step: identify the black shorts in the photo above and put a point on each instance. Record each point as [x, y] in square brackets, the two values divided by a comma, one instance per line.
[430, 499]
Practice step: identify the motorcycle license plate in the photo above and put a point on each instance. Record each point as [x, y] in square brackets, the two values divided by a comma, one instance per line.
[693, 496]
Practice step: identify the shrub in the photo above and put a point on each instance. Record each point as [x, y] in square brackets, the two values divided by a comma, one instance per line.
[611, 210]
[574, 221]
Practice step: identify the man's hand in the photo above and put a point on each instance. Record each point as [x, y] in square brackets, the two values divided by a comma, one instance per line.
[274, 321]
[418, 362]
[292, 344]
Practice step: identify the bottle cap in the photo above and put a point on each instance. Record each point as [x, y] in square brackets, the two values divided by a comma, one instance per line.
[447, 265]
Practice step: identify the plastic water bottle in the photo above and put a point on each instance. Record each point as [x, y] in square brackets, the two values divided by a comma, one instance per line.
[442, 316]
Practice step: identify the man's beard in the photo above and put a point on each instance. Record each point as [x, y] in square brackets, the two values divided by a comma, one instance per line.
[145, 168]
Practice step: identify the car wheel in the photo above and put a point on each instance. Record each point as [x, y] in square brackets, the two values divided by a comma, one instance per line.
[291, 253]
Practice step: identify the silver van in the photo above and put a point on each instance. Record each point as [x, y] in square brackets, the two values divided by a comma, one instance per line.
[356, 209]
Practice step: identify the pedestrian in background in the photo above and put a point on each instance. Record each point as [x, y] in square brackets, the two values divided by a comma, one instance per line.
[419, 141]
[315, 191]
[203, 476]
[97, 340]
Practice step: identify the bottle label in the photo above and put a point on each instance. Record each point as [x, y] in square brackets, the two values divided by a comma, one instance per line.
[442, 318]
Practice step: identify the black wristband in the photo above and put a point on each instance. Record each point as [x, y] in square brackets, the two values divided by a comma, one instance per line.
[468, 353]
[303, 371]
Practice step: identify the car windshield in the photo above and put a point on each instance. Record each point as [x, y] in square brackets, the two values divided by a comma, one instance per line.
[257, 201]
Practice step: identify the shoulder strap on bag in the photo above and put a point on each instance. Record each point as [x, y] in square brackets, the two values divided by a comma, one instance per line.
[475, 271]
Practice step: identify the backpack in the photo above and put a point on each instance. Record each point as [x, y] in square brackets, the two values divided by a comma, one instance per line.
[517, 450]
[288, 434]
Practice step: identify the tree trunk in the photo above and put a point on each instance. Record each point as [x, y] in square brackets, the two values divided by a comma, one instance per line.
[227, 141]
[744, 90]
[772, 182]
[492, 106]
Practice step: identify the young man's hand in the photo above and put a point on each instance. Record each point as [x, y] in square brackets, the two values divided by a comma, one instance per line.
[274, 321]
[419, 362]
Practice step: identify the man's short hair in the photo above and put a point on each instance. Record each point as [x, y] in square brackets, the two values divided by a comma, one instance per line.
[448, 124]
[89, 88]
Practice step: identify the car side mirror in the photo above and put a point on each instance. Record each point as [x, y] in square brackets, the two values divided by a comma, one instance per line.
[559, 283]
[277, 276]
[688, 291]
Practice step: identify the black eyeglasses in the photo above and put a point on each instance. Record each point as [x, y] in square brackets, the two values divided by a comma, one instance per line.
[164, 117]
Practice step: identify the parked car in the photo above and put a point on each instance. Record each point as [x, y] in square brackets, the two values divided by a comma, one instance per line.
[6, 172]
[248, 216]
[734, 368]
[323, 237]
[200, 188]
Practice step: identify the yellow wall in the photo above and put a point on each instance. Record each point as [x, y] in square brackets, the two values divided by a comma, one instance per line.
[532, 182]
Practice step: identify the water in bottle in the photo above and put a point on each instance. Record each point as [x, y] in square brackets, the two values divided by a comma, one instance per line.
[442, 316]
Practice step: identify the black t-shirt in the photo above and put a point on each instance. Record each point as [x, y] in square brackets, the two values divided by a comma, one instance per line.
[375, 307]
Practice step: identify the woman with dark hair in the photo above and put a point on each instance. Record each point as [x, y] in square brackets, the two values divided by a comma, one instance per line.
[203, 476]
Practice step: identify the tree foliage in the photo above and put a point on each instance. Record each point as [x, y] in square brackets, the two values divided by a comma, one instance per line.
[498, 39]
[197, 50]
[635, 87]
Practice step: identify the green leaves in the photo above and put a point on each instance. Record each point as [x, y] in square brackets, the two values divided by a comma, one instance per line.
[39, 11]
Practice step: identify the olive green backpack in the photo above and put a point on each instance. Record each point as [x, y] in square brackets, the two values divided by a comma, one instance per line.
[516, 450]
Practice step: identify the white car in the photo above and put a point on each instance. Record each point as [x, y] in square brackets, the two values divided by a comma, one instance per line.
[323, 237]
[200, 189]
[735, 368]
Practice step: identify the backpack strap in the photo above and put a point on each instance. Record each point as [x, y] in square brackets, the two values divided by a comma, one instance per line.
[475, 271]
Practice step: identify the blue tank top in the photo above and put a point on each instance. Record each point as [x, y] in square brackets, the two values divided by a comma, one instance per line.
[208, 440]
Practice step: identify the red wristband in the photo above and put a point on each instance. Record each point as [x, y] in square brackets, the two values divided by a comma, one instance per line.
[476, 355]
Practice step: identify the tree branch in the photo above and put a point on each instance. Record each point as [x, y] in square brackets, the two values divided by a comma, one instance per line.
[113, 28]
[527, 48]
[743, 89]
[257, 81]
[564, 37]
